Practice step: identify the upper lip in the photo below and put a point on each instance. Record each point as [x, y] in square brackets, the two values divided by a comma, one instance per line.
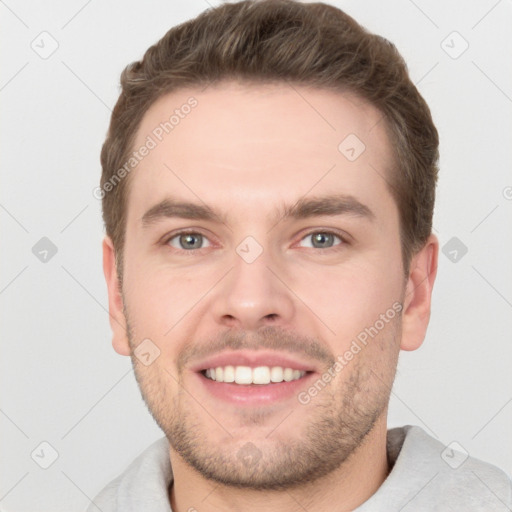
[253, 359]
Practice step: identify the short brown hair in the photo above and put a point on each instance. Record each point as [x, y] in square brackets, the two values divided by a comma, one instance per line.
[266, 41]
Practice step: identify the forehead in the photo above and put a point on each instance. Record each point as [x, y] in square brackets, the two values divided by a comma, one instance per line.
[250, 147]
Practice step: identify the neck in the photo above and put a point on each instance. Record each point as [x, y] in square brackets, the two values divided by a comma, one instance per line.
[348, 487]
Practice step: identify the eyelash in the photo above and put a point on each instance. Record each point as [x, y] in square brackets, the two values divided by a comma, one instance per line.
[193, 252]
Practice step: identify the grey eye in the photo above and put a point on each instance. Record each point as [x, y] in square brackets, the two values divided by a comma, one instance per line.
[321, 239]
[187, 241]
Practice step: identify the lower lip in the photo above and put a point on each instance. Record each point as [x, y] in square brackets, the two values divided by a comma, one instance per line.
[254, 394]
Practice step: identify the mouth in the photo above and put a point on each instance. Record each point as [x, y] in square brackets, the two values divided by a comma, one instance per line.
[260, 375]
[253, 378]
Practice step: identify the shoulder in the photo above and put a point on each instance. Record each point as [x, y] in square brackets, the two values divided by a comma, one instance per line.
[447, 476]
[146, 477]
[105, 500]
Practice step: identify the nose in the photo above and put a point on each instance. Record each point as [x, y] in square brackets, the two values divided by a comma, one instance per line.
[254, 294]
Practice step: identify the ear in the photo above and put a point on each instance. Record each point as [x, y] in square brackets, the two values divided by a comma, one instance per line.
[115, 300]
[418, 294]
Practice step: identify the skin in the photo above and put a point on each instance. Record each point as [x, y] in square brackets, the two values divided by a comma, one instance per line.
[246, 150]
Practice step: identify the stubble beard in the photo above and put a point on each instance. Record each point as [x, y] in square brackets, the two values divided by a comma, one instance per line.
[338, 420]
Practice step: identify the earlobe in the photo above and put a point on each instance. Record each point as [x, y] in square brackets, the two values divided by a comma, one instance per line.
[115, 300]
[418, 295]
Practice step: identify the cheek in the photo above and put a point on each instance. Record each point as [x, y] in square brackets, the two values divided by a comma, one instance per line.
[350, 299]
[160, 302]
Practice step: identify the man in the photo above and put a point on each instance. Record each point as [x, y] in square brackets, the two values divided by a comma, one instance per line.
[268, 189]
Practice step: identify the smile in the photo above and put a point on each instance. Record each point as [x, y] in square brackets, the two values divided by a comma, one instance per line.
[246, 375]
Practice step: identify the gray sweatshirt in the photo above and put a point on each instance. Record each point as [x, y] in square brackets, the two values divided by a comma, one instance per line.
[426, 476]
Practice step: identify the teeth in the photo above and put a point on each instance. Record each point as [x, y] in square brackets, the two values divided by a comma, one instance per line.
[229, 374]
[276, 374]
[243, 375]
[259, 375]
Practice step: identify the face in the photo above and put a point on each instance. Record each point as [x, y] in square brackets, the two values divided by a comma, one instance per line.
[262, 246]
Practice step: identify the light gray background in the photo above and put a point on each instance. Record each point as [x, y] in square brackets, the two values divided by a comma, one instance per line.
[62, 382]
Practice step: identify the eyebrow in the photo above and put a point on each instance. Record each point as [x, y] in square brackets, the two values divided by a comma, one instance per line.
[305, 207]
